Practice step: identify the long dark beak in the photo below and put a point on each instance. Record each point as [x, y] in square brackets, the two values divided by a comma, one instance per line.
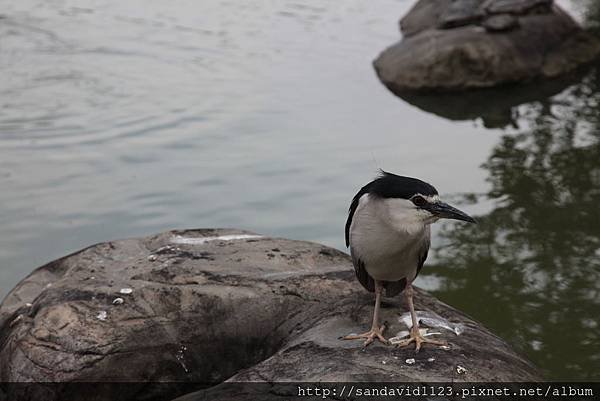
[445, 211]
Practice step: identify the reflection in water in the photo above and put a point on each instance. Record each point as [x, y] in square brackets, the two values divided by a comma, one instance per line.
[499, 107]
[531, 269]
[592, 15]
[496, 107]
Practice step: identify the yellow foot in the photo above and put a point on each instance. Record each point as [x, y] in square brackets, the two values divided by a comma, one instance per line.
[369, 335]
[418, 339]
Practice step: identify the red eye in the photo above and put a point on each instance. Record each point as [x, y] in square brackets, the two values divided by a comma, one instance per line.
[419, 201]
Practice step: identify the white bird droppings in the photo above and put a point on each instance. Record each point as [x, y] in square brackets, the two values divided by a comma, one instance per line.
[102, 315]
[16, 320]
[126, 291]
[430, 359]
[118, 301]
[180, 356]
[395, 340]
[460, 370]
[432, 320]
[401, 335]
[410, 361]
[178, 239]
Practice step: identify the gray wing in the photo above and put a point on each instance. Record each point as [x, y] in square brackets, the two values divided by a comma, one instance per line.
[361, 273]
[395, 287]
[423, 251]
[392, 288]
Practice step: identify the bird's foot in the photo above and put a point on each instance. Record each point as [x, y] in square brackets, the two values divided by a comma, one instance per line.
[419, 339]
[375, 332]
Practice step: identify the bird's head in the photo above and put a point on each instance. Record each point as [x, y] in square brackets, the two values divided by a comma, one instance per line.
[409, 204]
[406, 204]
[430, 208]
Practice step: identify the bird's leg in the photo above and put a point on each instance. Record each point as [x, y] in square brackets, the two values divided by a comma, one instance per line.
[415, 335]
[376, 330]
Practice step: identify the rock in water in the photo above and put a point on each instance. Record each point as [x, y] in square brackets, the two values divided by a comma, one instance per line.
[452, 45]
[213, 305]
[461, 12]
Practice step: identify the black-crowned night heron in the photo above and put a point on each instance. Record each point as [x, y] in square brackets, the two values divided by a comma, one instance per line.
[388, 234]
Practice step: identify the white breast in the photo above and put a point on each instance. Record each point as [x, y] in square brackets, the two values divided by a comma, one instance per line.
[386, 234]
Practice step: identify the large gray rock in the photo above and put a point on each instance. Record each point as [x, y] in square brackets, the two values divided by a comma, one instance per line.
[451, 45]
[197, 307]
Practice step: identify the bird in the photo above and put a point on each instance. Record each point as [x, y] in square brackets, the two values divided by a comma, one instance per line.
[388, 232]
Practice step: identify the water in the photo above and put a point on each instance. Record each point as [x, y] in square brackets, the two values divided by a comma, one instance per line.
[122, 119]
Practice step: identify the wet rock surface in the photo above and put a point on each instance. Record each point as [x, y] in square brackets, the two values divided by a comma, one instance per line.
[194, 308]
[452, 45]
